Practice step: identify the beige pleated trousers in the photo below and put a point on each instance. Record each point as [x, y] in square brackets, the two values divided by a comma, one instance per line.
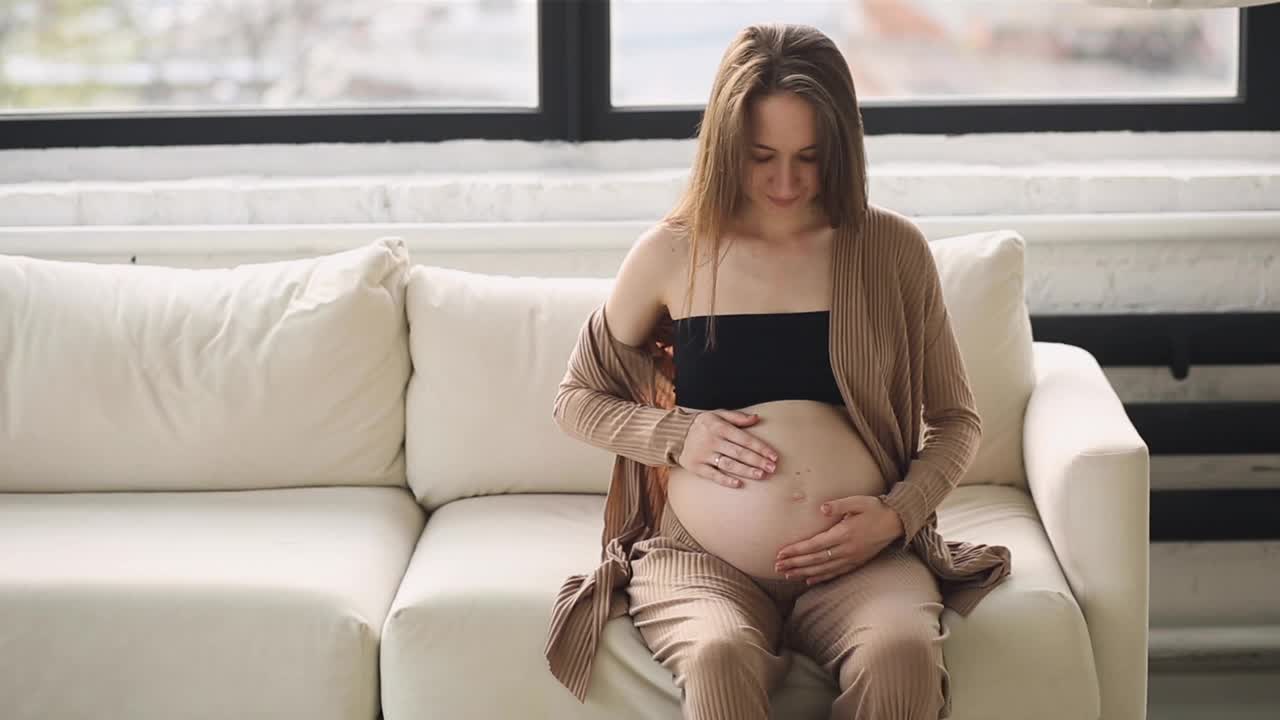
[719, 631]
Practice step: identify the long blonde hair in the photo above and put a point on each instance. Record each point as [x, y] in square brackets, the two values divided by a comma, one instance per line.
[761, 60]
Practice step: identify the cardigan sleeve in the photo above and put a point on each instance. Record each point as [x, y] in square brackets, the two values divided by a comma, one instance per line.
[594, 402]
[952, 427]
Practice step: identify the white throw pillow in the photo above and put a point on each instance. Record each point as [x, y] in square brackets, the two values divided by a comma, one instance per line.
[121, 377]
[489, 352]
[982, 278]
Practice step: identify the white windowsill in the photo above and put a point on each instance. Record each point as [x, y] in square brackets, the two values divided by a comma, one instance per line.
[498, 181]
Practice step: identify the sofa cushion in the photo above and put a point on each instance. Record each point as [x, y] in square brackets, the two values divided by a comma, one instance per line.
[466, 631]
[473, 609]
[508, 339]
[164, 606]
[982, 277]
[1024, 651]
[121, 377]
[489, 352]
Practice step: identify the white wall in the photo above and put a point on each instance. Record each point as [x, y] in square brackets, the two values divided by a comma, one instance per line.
[472, 181]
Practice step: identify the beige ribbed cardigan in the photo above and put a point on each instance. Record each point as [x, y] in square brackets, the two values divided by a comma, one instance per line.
[903, 381]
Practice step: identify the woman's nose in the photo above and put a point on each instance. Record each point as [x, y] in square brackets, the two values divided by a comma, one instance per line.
[786, 181]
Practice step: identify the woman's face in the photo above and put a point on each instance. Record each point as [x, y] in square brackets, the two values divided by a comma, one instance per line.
[782, 160]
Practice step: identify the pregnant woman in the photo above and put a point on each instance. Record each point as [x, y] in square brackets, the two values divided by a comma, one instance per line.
[777, 372]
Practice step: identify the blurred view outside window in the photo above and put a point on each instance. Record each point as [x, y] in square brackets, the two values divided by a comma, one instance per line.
[665, 52]
[297, 55]
[132, 55]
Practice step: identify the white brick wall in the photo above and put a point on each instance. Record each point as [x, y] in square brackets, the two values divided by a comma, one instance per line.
[471, 181]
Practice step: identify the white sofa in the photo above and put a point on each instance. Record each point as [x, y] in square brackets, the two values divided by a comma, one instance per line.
[332, 487]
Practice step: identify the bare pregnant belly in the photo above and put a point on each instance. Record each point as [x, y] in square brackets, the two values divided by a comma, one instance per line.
[820, 458]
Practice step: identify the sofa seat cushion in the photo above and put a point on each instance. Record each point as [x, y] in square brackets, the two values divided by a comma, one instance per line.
[466, 632]
[1024, 651]
[254, 604]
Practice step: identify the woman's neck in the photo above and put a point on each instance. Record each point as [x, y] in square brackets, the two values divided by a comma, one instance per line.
[775, 228]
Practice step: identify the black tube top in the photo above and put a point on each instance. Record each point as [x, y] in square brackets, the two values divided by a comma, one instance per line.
[758, 357]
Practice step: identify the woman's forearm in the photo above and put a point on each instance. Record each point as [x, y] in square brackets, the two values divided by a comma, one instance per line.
[952, 433]
[596, 401]
[949, 447]
[649, 435]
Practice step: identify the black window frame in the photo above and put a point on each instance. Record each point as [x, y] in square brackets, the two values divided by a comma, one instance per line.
[574, 105]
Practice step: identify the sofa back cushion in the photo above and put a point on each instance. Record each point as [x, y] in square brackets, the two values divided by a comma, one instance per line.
[150, 378]
[489, 352]
[983, 286]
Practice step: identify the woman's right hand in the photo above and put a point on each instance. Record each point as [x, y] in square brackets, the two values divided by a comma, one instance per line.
[718, 434]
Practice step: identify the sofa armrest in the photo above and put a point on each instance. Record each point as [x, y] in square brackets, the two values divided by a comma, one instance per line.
[1089, 474]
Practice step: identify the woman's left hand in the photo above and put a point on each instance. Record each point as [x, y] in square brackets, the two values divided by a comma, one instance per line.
[868, 526]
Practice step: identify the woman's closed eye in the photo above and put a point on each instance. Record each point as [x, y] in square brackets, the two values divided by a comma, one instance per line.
[802, 159]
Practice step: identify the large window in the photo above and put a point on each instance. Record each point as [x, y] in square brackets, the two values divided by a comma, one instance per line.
[940, 50]
[129, 55]
[137, 72]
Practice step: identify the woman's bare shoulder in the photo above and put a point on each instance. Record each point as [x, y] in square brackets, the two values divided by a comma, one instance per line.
[666, 240]
[642, 288]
